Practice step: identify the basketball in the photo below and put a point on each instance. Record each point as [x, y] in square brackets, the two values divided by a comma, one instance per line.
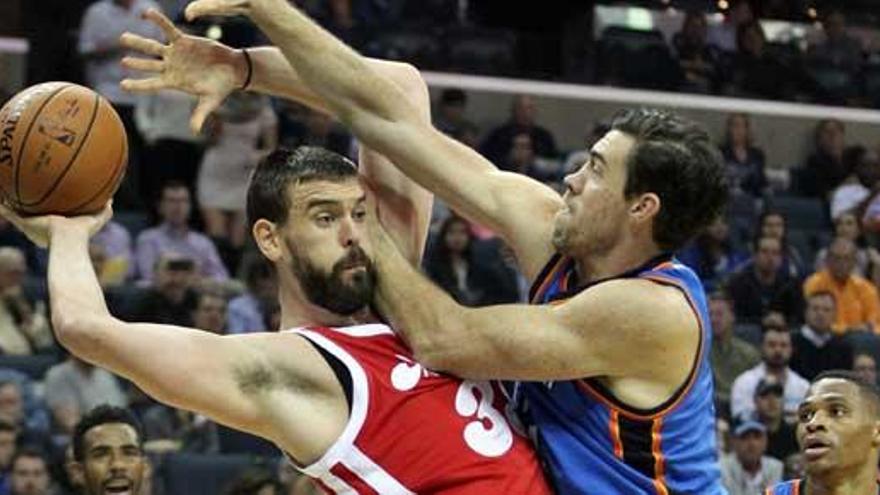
[63, 150]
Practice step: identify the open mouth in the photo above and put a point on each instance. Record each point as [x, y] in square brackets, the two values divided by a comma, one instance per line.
[119, 487]
[815, 448]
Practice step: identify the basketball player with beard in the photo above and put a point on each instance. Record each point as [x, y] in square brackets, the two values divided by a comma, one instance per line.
[343, 398]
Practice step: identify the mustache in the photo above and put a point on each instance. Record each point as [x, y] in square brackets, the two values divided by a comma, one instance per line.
[356, 256]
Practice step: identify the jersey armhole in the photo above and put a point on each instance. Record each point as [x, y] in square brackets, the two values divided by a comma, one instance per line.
[339, 369]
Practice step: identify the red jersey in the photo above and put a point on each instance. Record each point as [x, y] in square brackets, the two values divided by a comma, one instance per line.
[415, 431]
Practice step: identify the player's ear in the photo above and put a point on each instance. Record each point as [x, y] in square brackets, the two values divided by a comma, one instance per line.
[645, 207]
[268, 239]
[876, 434]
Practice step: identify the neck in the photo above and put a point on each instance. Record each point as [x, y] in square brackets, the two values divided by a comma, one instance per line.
[297, 311]
[176, 227]
[600, 266]
[765, 277]
[861, 480]
[752, 467]
[777, 371]
[772, 423]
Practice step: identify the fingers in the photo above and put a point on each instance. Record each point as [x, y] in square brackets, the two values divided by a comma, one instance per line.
[206, 105]
[201, 8]
[143, 64]
[146, 46]
[144, 85]
[164, 23]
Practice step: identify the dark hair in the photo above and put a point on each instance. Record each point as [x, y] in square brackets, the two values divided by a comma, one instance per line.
[868, 390]
[8, 426]
[823, 293]
[29, 451]
[768, 328]
[676, 159]
[101, 415]
[824, 123]
[453, 96]
[720, 295]
[252, 481]
[256, 268]
[440, 251]
[743, 29]
[267, 193]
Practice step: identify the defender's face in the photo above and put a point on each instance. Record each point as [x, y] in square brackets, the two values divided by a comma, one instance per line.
[595, 214]
[327, 244]
[113, 462]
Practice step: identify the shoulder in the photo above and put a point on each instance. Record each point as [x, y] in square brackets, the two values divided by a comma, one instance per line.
[863, 284]
[772, 464]
[148, 235]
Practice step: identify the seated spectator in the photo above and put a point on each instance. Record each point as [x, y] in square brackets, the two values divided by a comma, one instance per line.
[847, 226]
[75, 386]
[37, 259]
[254, 482]
[451, 116]
[20, 398]
[698, 61]
[30, 473]
[452, 263]
[865, 366]
[246, 313]
[724, 36]
[864, 167]
[712, 255]
[775, 356]
[759, 286]
[167, 429]
[858, 307]
[522, 120]
[748, 471]
[210, 312]
[115, 243]
[32, 431]
[816, 347]
[521, 159]
[837, 48]
[172, 297]
[8, 446]
[24, 328]
[772, 223]
[111, 432]
[310, 127]
[173, 236]
[731, 356]
[781, 441]
[756, 72]
[824, 170]
[745, 162]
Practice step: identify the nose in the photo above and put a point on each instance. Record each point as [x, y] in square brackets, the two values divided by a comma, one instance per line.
[574, 182]
[350, 232]
[816, 422]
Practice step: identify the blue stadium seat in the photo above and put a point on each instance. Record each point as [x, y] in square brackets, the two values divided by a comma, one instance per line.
[198, 474]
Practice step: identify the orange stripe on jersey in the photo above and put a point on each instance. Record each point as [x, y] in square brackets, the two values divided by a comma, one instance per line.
[548, 279]
[659, 460]
[797, 487]
[614, 428]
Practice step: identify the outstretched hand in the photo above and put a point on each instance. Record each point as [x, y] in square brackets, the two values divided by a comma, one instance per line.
[228, 8]
[39, 228]
[192, 64]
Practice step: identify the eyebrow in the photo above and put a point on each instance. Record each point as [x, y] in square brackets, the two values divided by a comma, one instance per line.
[314, 203]
[595, 155]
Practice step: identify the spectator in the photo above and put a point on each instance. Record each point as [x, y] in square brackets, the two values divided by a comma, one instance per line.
[748, 471]
[745, 162]
[245, 131]
[176, 430]
[71, 480]
[825, 169]
[114, 433]
[816, 347]
[768, 406]
[775, 356]
[759, 286]
[731, 356]
[37, 259]
[30, 473]
[698, 61]
[8, 446]
[210, 312]
[858, 307]
[864, 167]
[838, 48]
[173, 152]
[521, 158]
[452, 263]
[24, 328]
[772, 223]
[246, 313]
[312, 128]
[522, 120]
[255, 482]
[724, 35]
[172, 297]
[451, 116]
[75, 386]
[847, 226]
[173, 236]
[115, 243]
[102, 25]
[865, 366]
[712, 255]
[32, 429]
[755, 72]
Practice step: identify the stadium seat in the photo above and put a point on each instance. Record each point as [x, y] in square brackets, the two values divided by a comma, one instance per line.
[802, 213]
[834, 84]
[197, 474]
[481, 52]
[637, 58]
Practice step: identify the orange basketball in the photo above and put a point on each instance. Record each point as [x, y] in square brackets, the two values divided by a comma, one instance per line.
[63, 150]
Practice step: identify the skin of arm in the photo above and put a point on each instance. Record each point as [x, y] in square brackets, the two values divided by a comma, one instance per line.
[519, 209]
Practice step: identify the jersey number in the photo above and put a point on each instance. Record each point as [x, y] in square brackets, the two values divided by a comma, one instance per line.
[488, 434]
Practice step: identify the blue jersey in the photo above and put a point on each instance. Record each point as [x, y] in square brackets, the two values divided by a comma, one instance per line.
[592, 443]
[794, 487]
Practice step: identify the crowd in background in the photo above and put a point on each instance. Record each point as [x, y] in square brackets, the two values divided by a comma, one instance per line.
[788, 296]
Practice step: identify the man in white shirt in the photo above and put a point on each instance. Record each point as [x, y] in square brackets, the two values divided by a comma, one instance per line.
[776, 350]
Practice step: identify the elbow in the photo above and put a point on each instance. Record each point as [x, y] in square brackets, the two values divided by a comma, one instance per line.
[76, 333]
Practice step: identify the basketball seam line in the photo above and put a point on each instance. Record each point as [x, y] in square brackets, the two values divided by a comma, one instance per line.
[72, 159]
[28, 133]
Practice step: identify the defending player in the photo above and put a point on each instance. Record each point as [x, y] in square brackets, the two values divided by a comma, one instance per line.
[838, 432]
[627, 328]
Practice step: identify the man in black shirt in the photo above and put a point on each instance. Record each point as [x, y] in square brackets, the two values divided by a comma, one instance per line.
[816, 347]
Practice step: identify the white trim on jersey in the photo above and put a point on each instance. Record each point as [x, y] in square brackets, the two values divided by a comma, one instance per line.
[343, 451]
[367, 330]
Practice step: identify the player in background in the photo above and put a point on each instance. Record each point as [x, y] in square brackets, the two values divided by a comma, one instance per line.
[838, 431]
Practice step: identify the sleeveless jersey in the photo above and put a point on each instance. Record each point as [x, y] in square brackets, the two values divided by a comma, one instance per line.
[415, 431]
[592, 443]
[793, 487]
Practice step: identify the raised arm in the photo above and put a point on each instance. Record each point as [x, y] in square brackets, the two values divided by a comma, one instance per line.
[273, 385]
[519, 209]
[211, 71]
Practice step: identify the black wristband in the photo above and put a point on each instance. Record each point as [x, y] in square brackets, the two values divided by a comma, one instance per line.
[250, 69]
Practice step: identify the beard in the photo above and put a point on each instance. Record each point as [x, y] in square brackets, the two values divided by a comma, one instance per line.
[329, 290]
